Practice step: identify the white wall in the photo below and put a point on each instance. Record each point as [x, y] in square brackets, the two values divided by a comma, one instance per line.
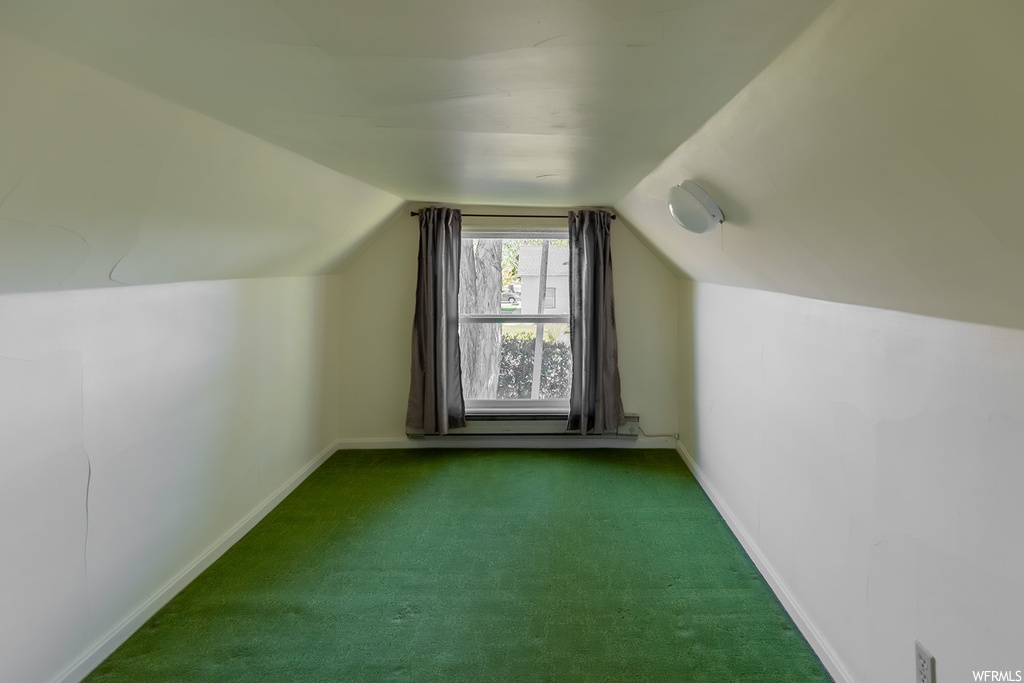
[874, 458]
[377, 292]
[139, 425]
[646, 313]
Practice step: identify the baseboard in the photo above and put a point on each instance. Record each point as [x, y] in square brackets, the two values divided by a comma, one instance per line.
[505, 441]
[817, 641]
[112, 639]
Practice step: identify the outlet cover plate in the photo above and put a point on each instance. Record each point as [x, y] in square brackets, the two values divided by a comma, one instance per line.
[631, 427]
[925, 664]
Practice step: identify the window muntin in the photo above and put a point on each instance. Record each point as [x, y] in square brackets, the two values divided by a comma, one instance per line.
[514, 322]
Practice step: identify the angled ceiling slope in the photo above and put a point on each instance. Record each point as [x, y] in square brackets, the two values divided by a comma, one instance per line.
[515, 102]
[102, 184]
[876, 162]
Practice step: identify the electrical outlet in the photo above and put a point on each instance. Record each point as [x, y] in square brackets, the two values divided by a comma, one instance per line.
[631, 427]
[925, 664]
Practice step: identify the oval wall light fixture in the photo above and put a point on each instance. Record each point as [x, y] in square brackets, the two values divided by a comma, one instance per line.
[693, 208]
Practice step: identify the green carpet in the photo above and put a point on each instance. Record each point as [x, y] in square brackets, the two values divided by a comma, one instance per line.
[597, 565]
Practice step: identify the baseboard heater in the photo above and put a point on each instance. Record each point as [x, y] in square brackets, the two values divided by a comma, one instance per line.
[531, 425]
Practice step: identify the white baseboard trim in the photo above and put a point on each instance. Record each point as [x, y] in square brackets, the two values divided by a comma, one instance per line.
[112, 639]
[505, 441]
[817, 641]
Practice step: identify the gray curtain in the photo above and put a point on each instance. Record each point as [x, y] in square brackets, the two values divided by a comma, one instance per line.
[595, 403]
[435, 389]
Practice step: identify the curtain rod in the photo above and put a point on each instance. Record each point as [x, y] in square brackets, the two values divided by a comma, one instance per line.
[503, 215]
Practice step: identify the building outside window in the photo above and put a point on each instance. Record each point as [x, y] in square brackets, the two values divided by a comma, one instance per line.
[556, 282]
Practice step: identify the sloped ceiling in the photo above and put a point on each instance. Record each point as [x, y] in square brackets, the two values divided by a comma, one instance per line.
[102, 184]
[864, 151]
[516, 102]
[878, 161]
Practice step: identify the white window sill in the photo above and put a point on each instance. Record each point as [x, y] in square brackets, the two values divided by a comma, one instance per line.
[521, 408]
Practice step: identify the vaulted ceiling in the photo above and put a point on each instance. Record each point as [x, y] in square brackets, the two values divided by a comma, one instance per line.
[541, 102]
[864, 151]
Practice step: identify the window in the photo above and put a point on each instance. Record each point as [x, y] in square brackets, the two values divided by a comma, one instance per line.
[513, 325]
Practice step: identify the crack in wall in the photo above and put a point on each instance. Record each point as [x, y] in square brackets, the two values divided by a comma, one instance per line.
[110, 275]
[73, 262]
[88, 251]
[88, 491]
[13, 190]
[85, 544]
[548, 40]
[73, 232]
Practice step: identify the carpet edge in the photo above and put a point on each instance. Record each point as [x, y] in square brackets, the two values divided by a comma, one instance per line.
[828, 656]
[502, 441]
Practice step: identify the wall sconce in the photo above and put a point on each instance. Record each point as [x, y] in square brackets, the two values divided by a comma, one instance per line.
[693, 208]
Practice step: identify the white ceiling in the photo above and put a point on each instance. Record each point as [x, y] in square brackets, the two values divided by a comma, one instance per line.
[864, 151]
[516, 102]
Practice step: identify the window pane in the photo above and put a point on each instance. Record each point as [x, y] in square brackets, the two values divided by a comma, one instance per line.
[544, 263]
[480, 277]
[505, 276]
[517, 350]
[556, 368]
[512, 276]
[549, 299]
[480, 345]
[498, 361]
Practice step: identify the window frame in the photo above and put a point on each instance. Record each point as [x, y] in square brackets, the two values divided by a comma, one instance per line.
[551, 292]
[521, 407]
